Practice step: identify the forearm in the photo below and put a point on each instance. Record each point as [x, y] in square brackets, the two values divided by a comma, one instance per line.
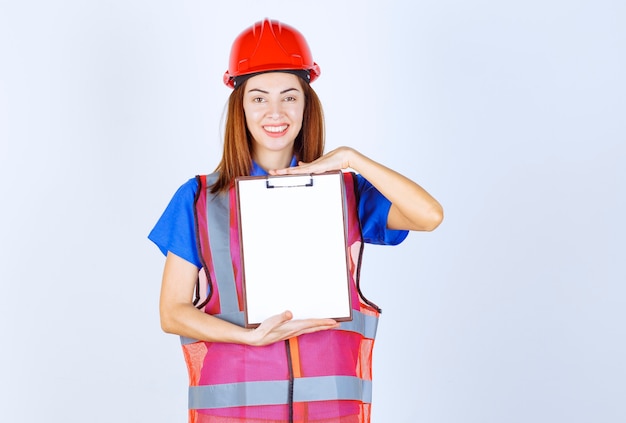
[179, 316]
[412, 207]
[186, 320]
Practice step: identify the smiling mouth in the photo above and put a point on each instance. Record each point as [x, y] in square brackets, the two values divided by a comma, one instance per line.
[276, 129]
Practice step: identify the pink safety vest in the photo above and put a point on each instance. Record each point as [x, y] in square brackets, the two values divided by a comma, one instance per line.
[320, 377]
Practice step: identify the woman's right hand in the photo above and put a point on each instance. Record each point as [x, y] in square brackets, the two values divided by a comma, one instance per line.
[282, 326]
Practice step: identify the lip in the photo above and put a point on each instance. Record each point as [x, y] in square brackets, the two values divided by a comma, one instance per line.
[275, 130]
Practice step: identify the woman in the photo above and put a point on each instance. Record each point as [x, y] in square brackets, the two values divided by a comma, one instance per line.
[285, 370]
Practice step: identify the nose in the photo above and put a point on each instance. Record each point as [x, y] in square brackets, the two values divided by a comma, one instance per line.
[275, 110]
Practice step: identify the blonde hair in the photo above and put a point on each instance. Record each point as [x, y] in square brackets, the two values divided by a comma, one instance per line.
[237, 157]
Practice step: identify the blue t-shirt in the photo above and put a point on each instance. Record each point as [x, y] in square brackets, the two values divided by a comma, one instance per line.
[175, 230]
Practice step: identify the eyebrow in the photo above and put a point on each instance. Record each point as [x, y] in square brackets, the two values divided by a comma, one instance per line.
[267, 92]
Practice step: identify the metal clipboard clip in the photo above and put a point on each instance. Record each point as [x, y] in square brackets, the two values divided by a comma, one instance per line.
[289, 181]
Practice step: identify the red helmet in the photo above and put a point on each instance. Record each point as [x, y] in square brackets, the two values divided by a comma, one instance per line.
[270, 46]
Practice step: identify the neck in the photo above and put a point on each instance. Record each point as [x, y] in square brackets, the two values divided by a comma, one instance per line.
[273, 161]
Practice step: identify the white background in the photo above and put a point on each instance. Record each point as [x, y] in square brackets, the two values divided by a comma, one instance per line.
[512, 114]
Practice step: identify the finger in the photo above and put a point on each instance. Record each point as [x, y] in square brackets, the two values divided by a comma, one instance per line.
[282, 318]
[314, 324]
[285, 171]
[316, 328]
[275, 321]
[289, 171]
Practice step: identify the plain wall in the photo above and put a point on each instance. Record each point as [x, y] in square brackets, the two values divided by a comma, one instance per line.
[509, 113]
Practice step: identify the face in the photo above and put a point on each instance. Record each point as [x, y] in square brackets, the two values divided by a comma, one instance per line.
[273, 103]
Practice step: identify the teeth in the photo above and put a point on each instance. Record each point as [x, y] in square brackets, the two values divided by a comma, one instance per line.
[275, 129]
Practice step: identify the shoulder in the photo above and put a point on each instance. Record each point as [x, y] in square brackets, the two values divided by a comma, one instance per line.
[204, 181]
[374, 212]
[183, 199]
[361, 184]
[189, 187]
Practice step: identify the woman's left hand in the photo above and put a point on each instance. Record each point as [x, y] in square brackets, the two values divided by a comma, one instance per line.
[337, 159]
[411, 208]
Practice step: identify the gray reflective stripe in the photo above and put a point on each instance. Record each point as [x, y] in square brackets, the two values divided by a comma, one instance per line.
[238, 394]
[361, 323]
[238, 317]
[218, 217]
[185, 341]
[325, 388]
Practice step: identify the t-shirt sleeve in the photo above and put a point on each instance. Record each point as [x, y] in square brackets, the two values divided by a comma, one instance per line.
[175, 229]
[373, 212]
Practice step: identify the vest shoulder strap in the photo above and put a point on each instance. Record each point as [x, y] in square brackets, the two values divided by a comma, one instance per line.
[199, 204]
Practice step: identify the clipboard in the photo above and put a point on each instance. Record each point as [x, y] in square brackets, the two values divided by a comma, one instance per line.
[293, 241]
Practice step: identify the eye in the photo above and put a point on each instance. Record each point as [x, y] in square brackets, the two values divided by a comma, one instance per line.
[290, 99]
[258, 100]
